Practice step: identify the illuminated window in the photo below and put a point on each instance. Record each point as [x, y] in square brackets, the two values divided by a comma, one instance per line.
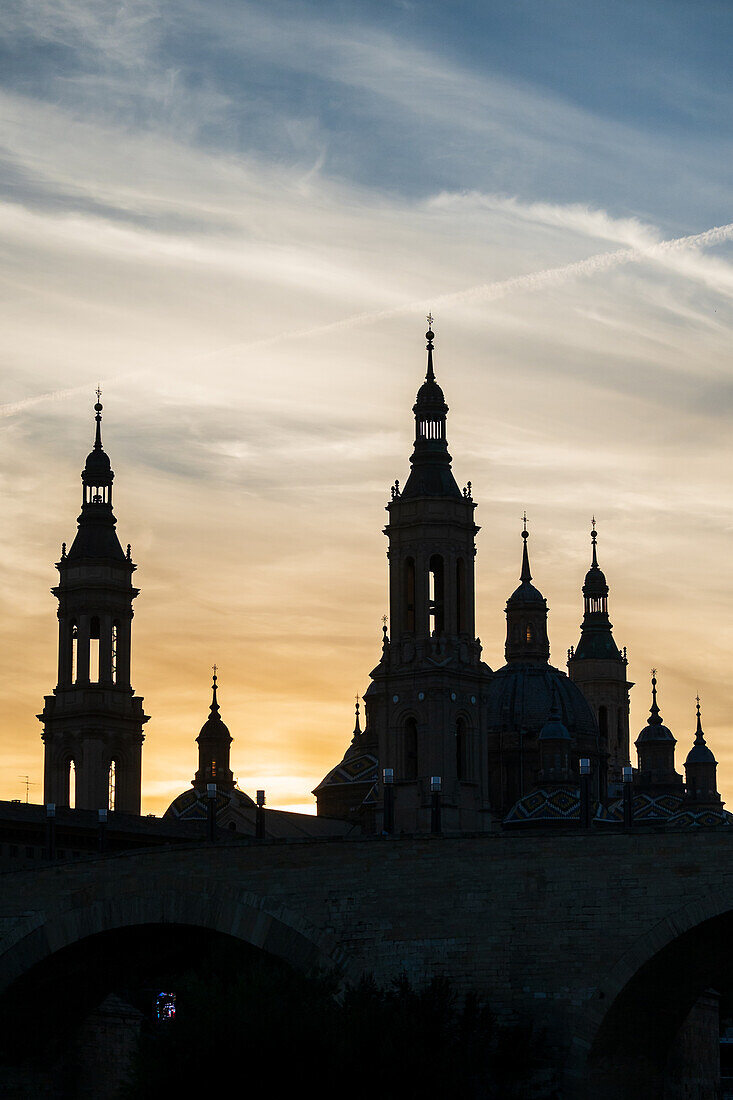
[72, 784]
[165, 1006]
[94, 650]
[112, 799]
[437, 622]
[74, 651]
[529, 633]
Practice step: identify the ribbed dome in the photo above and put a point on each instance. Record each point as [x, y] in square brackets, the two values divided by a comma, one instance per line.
[595, 583]
[700, 753]
[526, 593]
[97, 468]
[554, 729]
[430, 394]
[522, 696]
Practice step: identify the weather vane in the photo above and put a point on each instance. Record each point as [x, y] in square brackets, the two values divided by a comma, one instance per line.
[430, 320]
[214, 667]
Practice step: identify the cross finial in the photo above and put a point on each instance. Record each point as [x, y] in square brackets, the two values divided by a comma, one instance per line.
[524, 525]
[430, 320]
[214, 670]
[99, 393]
[384, 620]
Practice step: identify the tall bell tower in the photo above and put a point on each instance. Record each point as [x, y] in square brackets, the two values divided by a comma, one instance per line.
[424, 704]
[93, 721]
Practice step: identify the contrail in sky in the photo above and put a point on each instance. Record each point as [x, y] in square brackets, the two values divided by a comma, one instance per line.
[14, 407]
[487, 292]
[490, 292]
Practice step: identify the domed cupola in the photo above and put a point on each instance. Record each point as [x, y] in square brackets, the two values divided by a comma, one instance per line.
[430, 461]
[526, 617]
[555, 744]
[596, 639]
[655, 746]
[701, 769]
[214, 743]
[96, 537]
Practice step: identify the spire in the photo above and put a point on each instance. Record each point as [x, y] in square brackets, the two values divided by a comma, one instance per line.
[357, 727]
[431, 474]
[655, 718]
[98, 410]
[430, 336]
[526, 616]
[214, 708]
[214, 741]
[699, 735]
[525, 576]
[596, 639]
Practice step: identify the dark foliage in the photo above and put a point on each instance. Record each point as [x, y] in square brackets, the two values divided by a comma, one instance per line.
[283, 1032]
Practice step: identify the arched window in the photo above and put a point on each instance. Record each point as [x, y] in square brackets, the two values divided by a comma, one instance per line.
[112, 787]
[437, 589]
[115, 636]
[409, 595]
[71, 784]
[461, 749]
[74, 651]
[461, 595]
[409, 749]
[603, 723]
[528, 633]
[94, 650]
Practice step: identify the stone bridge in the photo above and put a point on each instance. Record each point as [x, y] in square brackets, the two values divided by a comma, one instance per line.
[606, 940]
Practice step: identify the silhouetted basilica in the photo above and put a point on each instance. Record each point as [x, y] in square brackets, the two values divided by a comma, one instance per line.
[524, 744]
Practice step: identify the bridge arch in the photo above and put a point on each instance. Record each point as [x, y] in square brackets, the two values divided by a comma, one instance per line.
[112, 905]
[625, 1037]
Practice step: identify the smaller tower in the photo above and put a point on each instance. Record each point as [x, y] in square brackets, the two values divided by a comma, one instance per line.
[701, 771]
[598, 668]
[526, 618]
[555, 744]
[655, 746]
[214, 742]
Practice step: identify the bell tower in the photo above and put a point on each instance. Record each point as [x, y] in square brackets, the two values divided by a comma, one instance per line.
[600, 670]
[93, 721]
[424, 702]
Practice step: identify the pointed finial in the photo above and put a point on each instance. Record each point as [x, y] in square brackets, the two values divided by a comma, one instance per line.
[129, 552]
[357, 727]
[525, 574]
[699, 735]
[63, 550]
[593, 537]
[98, 417]
[430, 336]
[214, 708]
[655, 717]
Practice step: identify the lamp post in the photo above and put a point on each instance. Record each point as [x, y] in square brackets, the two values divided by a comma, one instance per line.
[585, 792]
[51, 830]
[628, 776]
[211, 811]
[260, 816]
[101, 829]
[436, 786]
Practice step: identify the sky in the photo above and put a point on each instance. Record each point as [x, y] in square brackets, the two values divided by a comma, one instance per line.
[234, 217]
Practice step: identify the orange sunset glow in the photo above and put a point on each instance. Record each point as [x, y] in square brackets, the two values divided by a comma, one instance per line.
[253, 309]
